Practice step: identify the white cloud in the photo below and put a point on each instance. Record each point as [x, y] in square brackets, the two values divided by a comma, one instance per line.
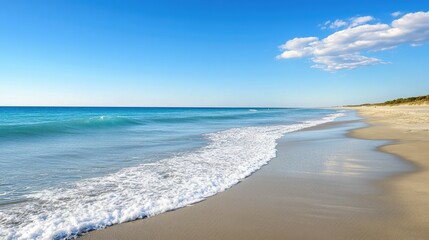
[356, 21]
[343, 61]
[396, 14]
[337, 24]
[351, 22]
[344, 48]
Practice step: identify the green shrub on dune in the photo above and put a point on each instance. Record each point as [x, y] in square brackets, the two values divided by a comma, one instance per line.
[410, 100]
[420, 100]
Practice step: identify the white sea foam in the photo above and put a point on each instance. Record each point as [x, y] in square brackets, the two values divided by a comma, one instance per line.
[147, 189]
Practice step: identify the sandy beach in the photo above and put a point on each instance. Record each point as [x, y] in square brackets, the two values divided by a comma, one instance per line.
[321, 185]
[408, 127]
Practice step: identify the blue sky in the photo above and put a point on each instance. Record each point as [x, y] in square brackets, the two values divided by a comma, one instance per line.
[199, 53]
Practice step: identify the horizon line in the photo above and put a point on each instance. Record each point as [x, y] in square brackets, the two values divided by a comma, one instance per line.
[89, 106]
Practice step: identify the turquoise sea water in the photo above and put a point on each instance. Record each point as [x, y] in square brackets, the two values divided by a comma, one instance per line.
[65, 171]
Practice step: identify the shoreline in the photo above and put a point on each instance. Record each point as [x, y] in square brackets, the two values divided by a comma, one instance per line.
[407, 127]
[287, 198]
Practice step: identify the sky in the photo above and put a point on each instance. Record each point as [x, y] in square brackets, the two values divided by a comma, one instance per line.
[212, 53]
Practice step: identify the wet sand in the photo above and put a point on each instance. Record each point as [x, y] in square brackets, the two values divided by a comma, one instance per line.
[321, 185]
[408, 127]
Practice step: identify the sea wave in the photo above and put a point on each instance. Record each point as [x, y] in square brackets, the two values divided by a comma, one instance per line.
[204, 118]
[103, 121]
[65, 126]
[147, 189]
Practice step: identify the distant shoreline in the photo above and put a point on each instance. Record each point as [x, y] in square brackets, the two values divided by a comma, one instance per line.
[419, 100]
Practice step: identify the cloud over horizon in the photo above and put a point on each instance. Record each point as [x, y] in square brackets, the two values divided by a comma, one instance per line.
[354, 37]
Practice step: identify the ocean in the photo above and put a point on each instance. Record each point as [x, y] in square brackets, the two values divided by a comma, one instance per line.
[67, 170]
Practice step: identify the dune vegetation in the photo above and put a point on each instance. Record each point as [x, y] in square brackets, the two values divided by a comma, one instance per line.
[419, 100]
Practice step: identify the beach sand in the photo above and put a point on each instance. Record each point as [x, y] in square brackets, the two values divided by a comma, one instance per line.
[321, 185]
[408, 126]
